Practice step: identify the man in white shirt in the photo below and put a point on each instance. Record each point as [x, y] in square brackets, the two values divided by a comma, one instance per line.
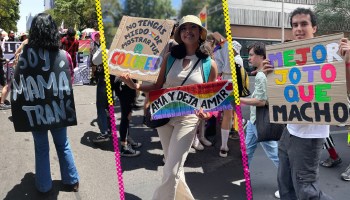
[301, 144]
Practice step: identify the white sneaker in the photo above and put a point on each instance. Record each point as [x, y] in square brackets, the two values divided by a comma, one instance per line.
[197, 145]
[223, 152]
[277, 194]
[206, 142]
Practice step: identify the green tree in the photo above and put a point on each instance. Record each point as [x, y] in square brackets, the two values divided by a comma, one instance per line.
[333, 16]
[191, 7]
[157, 9]
[112, 14]
[79, 12]
[9, 14]
[215, 20]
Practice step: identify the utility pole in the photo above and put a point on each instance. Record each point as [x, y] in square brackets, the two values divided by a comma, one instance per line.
[282, 38]
[214, 9]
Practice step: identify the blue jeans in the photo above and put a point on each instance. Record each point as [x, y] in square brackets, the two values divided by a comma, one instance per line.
[101, 105]
[270, 147]
[69, 174]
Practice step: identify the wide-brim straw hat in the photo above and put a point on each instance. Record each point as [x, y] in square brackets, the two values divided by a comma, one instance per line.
[190, 19]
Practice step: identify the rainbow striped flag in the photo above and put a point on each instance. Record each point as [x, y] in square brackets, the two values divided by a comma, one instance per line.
[203, 17]
[84, 46]
[152, 34]
[185, 100]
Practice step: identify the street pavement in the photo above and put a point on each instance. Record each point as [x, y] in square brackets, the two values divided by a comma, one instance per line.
[208, 175]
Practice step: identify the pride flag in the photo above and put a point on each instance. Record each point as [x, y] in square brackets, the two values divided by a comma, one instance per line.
[84, 47]
[185, 100]
[203, 17]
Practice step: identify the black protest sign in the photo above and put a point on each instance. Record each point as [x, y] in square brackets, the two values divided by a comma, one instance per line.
[11, 47]
[42, 93]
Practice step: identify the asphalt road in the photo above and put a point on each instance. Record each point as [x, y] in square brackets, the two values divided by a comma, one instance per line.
[208, 175]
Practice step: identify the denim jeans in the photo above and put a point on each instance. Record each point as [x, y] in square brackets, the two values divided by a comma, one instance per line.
[69, 174]
[101, 105]
[270, 147]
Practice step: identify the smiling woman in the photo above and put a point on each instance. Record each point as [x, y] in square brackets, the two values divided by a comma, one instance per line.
[177, 135]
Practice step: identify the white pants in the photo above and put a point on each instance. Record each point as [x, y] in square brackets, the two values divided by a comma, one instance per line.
[176, 138]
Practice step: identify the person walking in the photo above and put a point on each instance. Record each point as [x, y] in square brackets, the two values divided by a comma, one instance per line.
[257, 54]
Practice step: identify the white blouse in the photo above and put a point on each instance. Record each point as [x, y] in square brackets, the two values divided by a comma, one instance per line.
[178, 73]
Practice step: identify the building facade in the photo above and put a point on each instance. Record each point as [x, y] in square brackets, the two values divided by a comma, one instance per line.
[49, 4]
[29, 20]
[261, 20]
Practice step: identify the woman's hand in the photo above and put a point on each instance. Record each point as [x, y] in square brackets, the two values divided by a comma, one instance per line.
[126, 78]
[202, 115]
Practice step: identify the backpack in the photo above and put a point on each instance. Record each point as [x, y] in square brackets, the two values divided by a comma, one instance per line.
[206, 67]
[242, 81]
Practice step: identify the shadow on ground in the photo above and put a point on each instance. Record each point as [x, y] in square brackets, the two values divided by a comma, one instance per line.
[26, 190]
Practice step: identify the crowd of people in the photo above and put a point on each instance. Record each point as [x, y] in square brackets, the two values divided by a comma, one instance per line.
[296, 156]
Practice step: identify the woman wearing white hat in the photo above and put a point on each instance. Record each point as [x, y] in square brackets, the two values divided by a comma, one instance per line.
[177, 135]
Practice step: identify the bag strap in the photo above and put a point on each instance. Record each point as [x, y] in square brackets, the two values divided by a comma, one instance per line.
[70, 45]
[206, 69]
[190, 72]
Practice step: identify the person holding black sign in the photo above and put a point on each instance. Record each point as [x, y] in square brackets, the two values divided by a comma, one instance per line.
[300, 146]
[42, 100]
[177, 135]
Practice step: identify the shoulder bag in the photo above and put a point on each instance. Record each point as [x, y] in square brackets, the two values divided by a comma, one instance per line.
[267, 131]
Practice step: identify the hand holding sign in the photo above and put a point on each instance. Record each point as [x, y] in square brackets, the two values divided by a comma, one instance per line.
[138, 47]
[202, 115]
[308, 82]
[191, 99]
[126, 78]
[344, 49]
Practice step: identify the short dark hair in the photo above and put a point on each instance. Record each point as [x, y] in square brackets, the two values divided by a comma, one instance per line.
[43, 32]
[258, 48]
[305, 11]
[71, 32]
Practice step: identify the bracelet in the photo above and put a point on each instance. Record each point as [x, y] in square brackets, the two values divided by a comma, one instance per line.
[347, 65]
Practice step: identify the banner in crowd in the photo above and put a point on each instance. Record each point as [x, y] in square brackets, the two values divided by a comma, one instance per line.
[185, 100]
[308, 84]
[9, 53]
[203, 17]
[10, 49]
[42, 95]
[138, 47]
[82, 71]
